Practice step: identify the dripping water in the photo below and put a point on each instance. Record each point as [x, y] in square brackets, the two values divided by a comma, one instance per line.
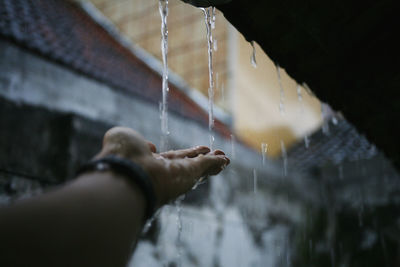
[306, 141]
[264, 148]
[163, 8]
[215, 43]
[209, 16]
[150, 221]
[325, 115]
[253, 60]
[213, 17]
[282, 92]
[334, 120]
[179, 245]
[284, 158]
[300, 97]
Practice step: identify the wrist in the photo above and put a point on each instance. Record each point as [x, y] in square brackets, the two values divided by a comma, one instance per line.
[130, 171]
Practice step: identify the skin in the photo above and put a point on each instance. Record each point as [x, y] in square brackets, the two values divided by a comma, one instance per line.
[95, 220]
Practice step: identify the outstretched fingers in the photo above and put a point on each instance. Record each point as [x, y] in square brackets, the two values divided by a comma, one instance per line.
[210, 164]
[186, 153]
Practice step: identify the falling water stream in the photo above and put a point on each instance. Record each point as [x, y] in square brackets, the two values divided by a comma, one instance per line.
[264, 150]
[163, 8]
[253, 60]
[306, 141]
[178, 242]
[325, 115]
[209, 17]
[258, 177]
[300, 97]
[282, 92]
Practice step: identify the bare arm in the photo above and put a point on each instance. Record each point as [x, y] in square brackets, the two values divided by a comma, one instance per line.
[96, 219]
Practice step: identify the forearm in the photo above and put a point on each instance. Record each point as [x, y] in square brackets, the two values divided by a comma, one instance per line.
[93, 221]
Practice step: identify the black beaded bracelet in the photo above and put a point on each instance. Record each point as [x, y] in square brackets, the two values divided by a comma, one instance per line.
[126, 168]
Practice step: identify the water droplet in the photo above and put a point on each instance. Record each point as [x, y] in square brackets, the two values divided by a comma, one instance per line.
[300, 97]
[306, 141]
[264, 148]
[179, 245]
[282, 92]
[253, 60]
[213, 17]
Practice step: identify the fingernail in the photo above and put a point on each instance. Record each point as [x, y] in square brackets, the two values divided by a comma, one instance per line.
[219, 152]
[228, 160]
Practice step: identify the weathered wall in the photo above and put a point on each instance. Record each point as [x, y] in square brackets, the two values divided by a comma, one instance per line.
[52, 119]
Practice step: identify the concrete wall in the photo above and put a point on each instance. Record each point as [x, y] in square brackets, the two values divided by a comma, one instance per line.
[53, 119]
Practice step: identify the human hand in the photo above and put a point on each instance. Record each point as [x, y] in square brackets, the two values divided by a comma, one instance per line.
[172, 173]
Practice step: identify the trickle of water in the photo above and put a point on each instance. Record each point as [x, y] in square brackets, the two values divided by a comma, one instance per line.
[264, 149]
[150, 221]
[306, 141]
[255, 182]
[300, 97]
[201, 181]
[179, 245]
[213, 17]
[282, 92]
[209, 16]
[334, 120]
[325, 121]
[212, 139]
[284, 158]
[163, 8]
[253, 60]
[299, 93]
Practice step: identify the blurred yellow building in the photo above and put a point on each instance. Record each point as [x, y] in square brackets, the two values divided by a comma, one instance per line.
[250, 95]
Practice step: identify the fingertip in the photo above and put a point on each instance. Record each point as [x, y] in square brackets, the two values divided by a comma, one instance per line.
[152, 147]
[228, 160]
[219, 152]
[203, 149]
[225, 161]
